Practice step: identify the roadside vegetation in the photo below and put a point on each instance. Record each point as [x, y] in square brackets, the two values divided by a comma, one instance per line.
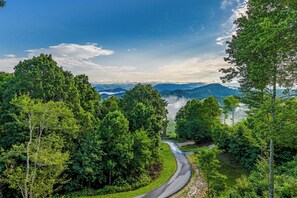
[265, 142]
[169, 168]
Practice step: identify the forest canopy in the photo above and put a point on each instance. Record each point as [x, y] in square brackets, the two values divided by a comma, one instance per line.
[58, 137]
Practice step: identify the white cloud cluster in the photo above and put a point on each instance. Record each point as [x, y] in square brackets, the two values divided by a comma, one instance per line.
[65, 50]
[226, 3]
[195, 69]
[74, 57]
[229, 28]
[80, 59]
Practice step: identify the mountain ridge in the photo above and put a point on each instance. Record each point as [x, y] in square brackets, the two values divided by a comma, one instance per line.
[187, 90]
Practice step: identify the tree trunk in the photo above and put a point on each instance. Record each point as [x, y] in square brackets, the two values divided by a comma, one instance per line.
[110, 177]
[28, 159]
[271, 171]
[271, 154]
[233, 113]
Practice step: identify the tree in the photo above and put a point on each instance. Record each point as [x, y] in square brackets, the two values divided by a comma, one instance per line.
[230, 104]
[264, 55]
[86, 163]
[208, 162]
[34, 167]
[145, 101]
[196, 119]
[117, 147]
[109, 105]
[2, 3]
[142, 153]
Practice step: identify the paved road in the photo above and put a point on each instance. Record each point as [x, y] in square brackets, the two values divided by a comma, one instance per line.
[178, 180]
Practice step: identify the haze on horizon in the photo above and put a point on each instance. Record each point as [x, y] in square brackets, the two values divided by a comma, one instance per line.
[122, 41]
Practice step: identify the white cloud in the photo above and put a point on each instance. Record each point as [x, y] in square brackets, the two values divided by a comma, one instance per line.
[228, 27]
[80, 59]
[174, 105]
[9, 55]
[227, 3]
[64, 50]
[203, 69]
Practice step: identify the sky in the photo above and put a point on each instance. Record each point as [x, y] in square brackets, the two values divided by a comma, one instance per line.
[115, 41]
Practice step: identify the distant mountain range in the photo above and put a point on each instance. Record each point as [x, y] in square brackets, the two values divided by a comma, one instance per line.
[173, 87]
[217, 90]
[189, 90]
[103, 87]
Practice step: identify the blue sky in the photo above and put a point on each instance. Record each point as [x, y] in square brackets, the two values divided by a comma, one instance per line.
[121, 40]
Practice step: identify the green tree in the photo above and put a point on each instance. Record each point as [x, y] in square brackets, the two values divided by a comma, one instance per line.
[144, 104]
[264, 55]
[86, 163]
[4, 83]
[2, 3]
[142, 153]
[34, 167]
[117, 144]
[208, 162]
[109, 105]
[196, 119]
[230, 104]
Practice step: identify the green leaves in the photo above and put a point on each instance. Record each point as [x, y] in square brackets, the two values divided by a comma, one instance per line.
[208, 162]
[47, 126]
[196, 119]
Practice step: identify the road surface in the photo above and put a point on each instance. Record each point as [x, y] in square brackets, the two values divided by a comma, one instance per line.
[178, 180]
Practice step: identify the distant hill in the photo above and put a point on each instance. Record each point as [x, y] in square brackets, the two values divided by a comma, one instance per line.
[188, 90]
[172, 86]
[105, 95]
[113, 90]
[217, 90]
[103, 87]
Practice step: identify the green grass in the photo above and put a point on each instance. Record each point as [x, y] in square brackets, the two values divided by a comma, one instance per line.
[189, 148]
[169, 168]
[231, 168]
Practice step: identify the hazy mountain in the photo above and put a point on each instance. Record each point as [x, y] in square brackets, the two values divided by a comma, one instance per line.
[188, 90]
[217, 90]
[172, 86]
[103, 87]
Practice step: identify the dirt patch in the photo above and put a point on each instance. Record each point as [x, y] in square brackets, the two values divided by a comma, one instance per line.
[187, 143]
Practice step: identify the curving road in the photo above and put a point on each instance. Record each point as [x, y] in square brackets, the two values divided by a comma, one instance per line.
[178, 180]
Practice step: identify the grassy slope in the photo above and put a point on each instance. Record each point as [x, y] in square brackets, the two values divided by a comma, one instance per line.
[169, 168]
[231, 168]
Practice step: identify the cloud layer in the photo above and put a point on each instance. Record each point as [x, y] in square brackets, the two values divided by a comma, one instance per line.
[74, 57]
[229, 28]
[85, 59]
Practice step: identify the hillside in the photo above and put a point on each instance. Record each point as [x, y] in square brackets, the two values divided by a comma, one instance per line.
[188, 90]
[172, 86]
[217, 90]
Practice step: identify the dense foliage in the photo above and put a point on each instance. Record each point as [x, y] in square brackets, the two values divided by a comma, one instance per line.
[196, 119]
[208, 162]
[57, 136]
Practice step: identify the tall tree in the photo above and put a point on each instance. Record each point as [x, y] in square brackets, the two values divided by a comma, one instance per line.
[117, 147]
[208, 162]
[48, 126]
[263, 53]
[230, 104]
[145, 101]
[196, 119]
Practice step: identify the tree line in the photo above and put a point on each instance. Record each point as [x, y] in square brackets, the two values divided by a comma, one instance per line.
[58, 137]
